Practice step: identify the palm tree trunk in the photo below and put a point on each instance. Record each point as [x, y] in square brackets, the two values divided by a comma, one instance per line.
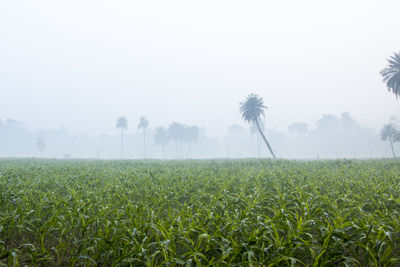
[144, 143]
[391, 146]
[122, 143]
[265, 140]
[258, 145]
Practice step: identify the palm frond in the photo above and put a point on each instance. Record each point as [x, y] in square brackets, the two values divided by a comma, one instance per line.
[391, 74]
[252, 109]
[122, 123]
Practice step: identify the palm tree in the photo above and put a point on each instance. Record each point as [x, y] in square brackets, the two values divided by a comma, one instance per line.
[122, 123]
[391, 74]
[161, 138]
[176, 133]
[390, 133]
[252, 110]
[143, 123]
[190, 135]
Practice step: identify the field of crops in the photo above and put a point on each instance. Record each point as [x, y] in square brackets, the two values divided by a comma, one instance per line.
[199, 213]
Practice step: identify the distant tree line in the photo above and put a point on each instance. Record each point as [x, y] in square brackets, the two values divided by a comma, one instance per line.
[177, 132]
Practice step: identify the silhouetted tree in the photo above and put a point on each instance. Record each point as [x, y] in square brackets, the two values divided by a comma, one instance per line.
[122, 123]
[298, 127]
[161, 138]
[190, 135]
[391, 74]
[252, 110]
[328, 122]
[143, 124]
[348, 123]
[391, 134]
[40, 145]
[176, 132]
[394, 119]
[235, 129]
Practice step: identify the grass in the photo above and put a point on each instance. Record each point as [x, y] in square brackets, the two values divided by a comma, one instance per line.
[199, 213]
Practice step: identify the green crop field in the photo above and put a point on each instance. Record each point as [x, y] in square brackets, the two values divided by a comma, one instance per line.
[199, 213]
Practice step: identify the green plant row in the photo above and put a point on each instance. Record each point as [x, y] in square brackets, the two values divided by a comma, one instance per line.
[199, 213]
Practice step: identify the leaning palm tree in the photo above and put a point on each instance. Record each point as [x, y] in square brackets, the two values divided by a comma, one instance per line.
[252, 110]
[143, 123]
[122, 123]
[391, 134]
[391, 74]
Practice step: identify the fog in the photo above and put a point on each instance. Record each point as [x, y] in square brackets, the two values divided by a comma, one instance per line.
[329, 137]
[69, 70]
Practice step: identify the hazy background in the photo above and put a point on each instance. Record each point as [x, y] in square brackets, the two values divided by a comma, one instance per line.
[78, 65]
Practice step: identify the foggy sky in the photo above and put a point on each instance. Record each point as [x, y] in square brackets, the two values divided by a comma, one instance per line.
[82, 64]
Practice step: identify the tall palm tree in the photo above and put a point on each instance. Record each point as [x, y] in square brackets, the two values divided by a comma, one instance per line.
[122, 123]
[391, 74]
[143, 123]
[391, 134]
[252, 110]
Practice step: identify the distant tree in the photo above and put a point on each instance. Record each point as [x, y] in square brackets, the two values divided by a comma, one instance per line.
[348, 123]
[390, 133]
[298, 127]
[143, 124]
[252, 110]
[176, 133]
[391, 74]
[40, 145]
[12, 122]
[235, 129]
[328, 122]
[161, 138]
[190, 135]
[122, 123]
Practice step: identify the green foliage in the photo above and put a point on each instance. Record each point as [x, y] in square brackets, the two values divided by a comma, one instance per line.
[199, 213]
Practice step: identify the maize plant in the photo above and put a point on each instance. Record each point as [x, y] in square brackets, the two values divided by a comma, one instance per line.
[199, 213]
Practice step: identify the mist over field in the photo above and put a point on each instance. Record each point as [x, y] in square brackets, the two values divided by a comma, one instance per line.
[69, 70]
[199, 133]
[329, 137]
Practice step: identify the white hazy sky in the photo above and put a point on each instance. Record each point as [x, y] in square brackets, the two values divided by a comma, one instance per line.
[81, 64]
